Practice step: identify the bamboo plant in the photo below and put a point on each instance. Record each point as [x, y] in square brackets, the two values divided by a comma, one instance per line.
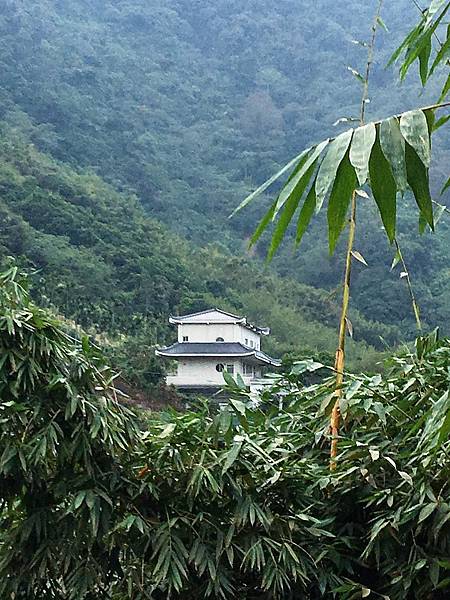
[387, 158]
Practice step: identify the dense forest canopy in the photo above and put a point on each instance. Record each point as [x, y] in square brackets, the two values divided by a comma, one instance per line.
[183, 107]
[332, 484]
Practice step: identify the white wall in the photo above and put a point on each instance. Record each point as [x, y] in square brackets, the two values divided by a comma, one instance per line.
[201, 332]
[246, 337]
[230, 332]
[202, 372]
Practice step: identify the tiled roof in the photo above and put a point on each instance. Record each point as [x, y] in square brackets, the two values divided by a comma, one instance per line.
[207, 316]
[214, 349]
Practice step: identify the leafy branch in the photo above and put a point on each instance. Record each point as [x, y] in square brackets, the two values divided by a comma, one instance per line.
[389, 156]
[418, 45]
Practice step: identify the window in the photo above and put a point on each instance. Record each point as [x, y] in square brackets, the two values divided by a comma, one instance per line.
[185, 338]
[252, 343]
[230, 369]
[248, 369]
[220, 367]
[246, 341]
[220, 339]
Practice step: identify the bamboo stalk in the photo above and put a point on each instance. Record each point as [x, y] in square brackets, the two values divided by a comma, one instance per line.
[339, 363]
[410, 287]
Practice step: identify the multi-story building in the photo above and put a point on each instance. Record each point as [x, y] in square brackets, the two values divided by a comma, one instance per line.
[211, 342]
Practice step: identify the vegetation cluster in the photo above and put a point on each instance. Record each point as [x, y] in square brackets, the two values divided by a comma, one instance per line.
[99, 502]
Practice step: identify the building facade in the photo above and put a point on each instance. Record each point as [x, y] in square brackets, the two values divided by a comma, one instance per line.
[211, 342]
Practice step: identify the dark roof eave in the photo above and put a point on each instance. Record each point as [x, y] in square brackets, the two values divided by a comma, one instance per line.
[257, 355]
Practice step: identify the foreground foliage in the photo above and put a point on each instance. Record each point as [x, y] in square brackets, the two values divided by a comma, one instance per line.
[100, 503]
[192, 106]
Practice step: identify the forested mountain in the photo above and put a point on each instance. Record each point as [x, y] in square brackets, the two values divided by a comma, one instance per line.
[105, 264]
[130, 130]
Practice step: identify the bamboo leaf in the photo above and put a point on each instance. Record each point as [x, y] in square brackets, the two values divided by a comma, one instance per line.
[393, 147]
[424, 58]
[262, 188]
[231, 456]
[406, 476]
[328, 169]
[262, 225]
[446, 186]
[360, 149]
[349, 326]
[422, 36]
[306, 213]
[383, 188]
[292, 183]
[359, 257]
[440, 122]
[426, 511]
[418, 181]
[445, 90]
[382, 24]
[430, 116]
[442, 54]
[438, 212]
[395, 260]
[289, 210]
[407, 42]
[435, 6]
[343, 187]
[357, 74]
[414, 128]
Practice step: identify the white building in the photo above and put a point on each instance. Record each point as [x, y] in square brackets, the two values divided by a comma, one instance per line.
[213, 341]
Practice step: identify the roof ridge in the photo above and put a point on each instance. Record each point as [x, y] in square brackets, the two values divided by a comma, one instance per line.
[207, 310]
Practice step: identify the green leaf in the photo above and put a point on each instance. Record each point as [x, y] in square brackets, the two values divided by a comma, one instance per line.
[79, 499]
[426, 511]
[262, 188]
[424, 58]
[231, 456]
[360, 149]
[344, 186]
[442, 54]
[434, 573]
[238, 406]
[167, 431]
[357, 74]
[306, 213]
[396, 260]
[297, 178]
[440, 122]
[417, 175]
[406, 477]
[445, 90]
[289, 210]
[407, 42]
[446, 186]
[330, 164]
[359, 257]
[435, 6]
[382, 24]
[262, 225]
[414, 128]
[384, 188]
[420, 39]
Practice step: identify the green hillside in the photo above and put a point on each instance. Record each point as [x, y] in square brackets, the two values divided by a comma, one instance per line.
[131, 130]
[103, 263]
